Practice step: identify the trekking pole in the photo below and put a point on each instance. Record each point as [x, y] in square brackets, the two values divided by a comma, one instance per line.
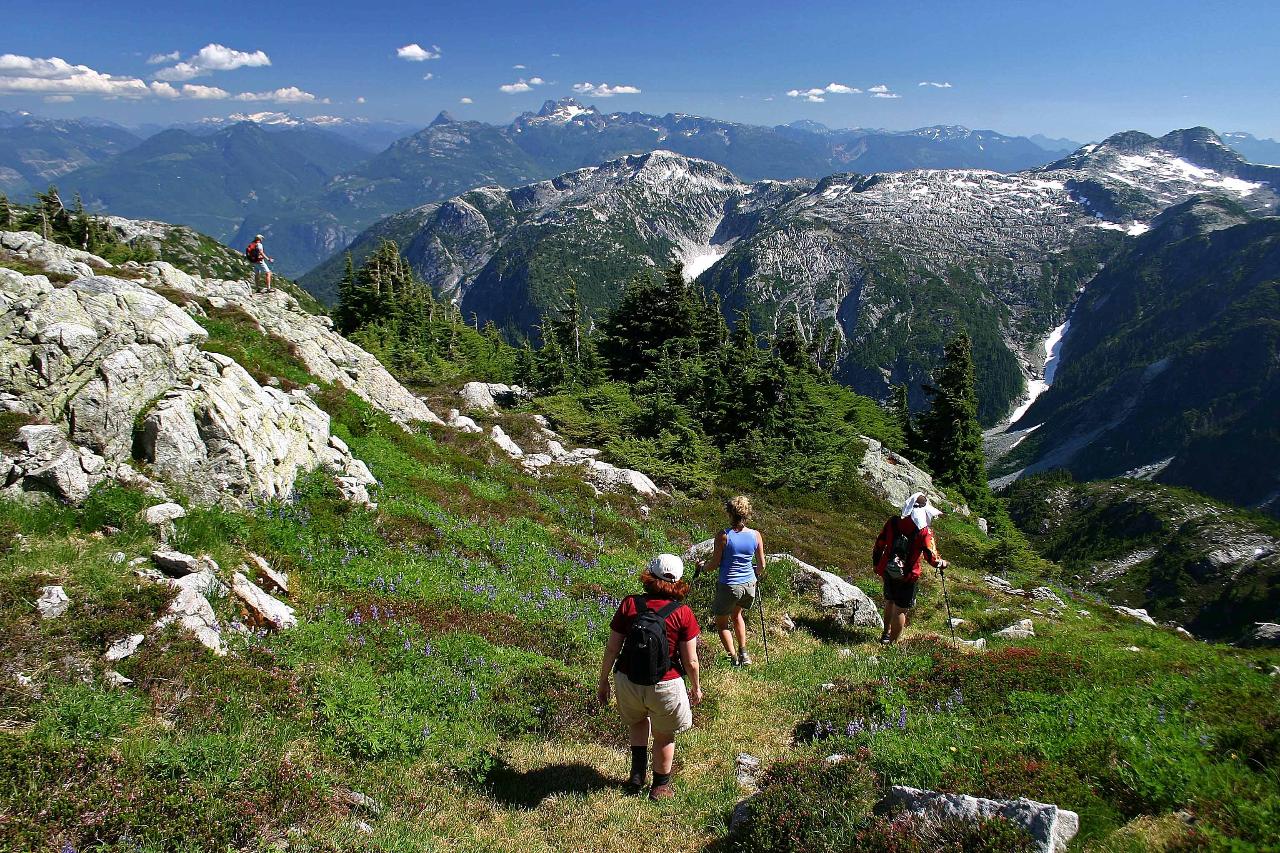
[764, 634]
[942, 573]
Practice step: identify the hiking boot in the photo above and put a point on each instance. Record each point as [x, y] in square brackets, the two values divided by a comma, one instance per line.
[635, 782]
[744, 659]
[662, 792]
[733, 661]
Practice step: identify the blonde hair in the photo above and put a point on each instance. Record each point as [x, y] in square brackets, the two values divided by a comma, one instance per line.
[739, 508]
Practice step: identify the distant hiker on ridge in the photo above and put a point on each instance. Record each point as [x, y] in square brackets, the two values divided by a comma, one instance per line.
[258, 257]
[899, 547]
[737, 548]
[653, 642]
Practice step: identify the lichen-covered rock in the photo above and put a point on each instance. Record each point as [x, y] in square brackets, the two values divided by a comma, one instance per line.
[459, 421]
[1138, 613]
[1020, 630]
[264, 610]
[504, 442]
[191, 611]
[890, 475]
[53, 602]
[98, 355]
[54, 257]
[1049, 826]
[275, 579]
[326, 354]
[164, 513]
[1265, 634]
[123, 648]
[833, 592]
[177, 564]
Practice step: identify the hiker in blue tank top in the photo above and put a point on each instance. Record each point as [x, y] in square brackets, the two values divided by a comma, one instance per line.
[739, 558]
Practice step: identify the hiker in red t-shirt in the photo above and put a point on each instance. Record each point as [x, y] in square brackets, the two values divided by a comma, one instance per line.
[898, 550]
[653, 643]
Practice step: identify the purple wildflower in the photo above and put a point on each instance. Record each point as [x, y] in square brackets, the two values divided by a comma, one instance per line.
[902, 718]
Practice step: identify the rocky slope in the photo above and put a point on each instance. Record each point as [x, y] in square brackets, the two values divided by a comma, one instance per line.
[105, 377]
[1180, 556]
[892, 261]
[1169, 368]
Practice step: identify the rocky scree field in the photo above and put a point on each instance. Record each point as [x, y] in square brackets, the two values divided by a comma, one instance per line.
[436, 690]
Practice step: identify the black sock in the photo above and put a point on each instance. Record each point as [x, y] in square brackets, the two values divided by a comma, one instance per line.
[639, 759]
[661, 778]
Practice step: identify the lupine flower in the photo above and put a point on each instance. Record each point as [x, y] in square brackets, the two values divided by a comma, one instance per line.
[902, 718]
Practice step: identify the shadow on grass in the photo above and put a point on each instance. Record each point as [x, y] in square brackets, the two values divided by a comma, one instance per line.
[831, 630]
[527, 789]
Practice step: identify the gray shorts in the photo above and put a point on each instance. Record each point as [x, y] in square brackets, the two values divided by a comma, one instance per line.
[729, 596]
[261, 266]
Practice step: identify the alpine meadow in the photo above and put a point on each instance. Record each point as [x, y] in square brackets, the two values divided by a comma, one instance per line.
[643, 429]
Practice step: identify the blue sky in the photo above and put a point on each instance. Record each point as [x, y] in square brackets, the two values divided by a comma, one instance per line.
[1080, 70]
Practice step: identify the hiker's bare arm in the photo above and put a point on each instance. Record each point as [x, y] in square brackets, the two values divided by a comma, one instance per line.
[689, 654]
[717, 553]
[760, 561]
[606, 665]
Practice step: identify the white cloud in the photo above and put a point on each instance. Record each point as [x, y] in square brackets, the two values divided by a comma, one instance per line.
[55, 76]
[286, 95]
[204, 93]
[360, 100]
[58, 99]
[519, 67]
[164, 90]
[211, 58]
[417, 53]
[465, 101]
[877, 90]
[604, 90]
[886, 95]
[162, 58]
[428, 76]
[521, 85]
[817, 95]
[934, 85]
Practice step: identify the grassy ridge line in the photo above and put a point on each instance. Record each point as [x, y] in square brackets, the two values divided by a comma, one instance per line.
[446, 660]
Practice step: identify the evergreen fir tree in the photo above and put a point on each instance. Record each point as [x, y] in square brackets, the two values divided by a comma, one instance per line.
[902, 418]
[950, 430]
[790, 345]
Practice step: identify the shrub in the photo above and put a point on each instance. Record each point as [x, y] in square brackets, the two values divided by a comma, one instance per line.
[81, 714]
[984, 681]
[113, 505]
[807, 805]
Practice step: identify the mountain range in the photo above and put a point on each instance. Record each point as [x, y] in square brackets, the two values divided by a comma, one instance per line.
[35, 152]
[1169, 370]
[893, 263]
[307, 224]
[213, 181]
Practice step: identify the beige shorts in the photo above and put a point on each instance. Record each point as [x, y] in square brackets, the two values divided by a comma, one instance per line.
[666, 704]
[729, 596]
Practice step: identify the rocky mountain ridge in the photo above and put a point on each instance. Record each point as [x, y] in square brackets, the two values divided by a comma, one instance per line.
[866, 256]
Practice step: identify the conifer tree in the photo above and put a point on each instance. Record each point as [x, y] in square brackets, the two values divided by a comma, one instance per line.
[790, 345]
[950, 430]
[902, 417]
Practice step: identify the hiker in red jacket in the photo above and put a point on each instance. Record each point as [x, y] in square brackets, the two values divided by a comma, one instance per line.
[257, 256]
[899, 547]
[653, 643]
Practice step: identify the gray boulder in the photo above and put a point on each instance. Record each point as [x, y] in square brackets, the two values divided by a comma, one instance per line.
[1265, 634]
[1051, 827]
[53, 602]
[890, 475]
[1021, 630]
[164, 513]
[193, 614]
[1135, 613]
[121, 649]
[850, 603]
[264, 611]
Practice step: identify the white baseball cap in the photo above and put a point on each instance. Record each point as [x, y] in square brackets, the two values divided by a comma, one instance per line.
[667, 567]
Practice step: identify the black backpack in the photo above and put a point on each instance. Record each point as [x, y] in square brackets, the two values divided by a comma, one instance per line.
[646, 650]
[898, 554]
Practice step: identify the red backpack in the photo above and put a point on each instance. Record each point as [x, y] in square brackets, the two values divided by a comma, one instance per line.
[254, 252]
